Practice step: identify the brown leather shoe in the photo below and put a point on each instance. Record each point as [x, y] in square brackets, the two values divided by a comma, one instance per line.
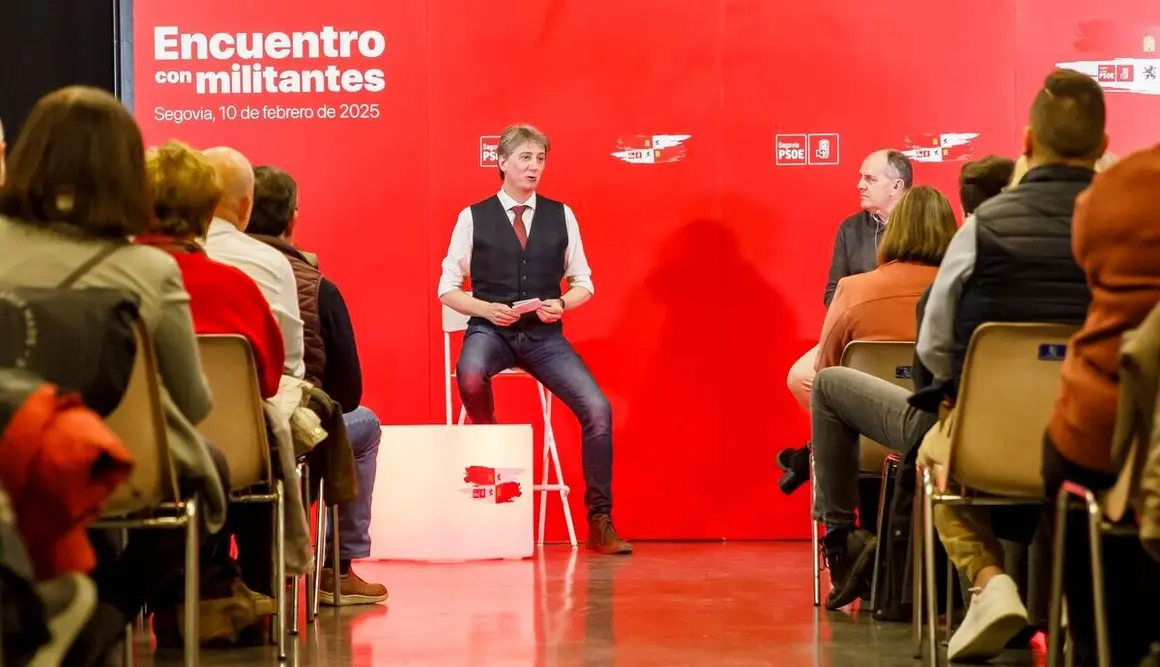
[354, 590]
[602, 537]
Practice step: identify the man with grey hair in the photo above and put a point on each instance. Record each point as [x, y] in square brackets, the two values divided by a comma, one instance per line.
[516, 307]
[884, 177]
[227, 243]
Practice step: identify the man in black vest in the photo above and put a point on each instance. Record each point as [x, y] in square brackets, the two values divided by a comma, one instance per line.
[1011, 262]
[517, 246]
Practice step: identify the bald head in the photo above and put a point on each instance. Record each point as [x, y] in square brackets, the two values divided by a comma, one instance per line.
[883, 178]
[235, 176]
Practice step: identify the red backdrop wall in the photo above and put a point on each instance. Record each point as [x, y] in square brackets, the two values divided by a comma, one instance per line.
[709, 268]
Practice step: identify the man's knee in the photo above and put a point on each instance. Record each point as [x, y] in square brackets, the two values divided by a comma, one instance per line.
[595, 412]
[472, 377]
[364, 430]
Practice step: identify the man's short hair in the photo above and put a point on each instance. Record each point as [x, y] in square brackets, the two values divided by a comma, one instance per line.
[982, 179]
[900, 165]
[1068, 116]
[275, 201]
[516, 135]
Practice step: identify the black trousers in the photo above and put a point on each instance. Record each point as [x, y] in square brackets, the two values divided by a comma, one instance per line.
[1131, 576]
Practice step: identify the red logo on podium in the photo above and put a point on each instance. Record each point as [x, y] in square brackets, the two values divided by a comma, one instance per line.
[496, 485]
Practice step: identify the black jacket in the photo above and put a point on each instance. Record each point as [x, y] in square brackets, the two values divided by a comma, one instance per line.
[855, 249]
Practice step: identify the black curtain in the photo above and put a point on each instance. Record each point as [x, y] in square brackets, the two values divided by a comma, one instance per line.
[47, 44]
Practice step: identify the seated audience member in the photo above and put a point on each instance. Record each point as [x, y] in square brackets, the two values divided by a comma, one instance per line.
[332, 363]
[1012, 261]
[75, 188]
[223, 299]
[226, 242]
[1116, 241]
[981, 179]
[883, 178]
[879, 305]
[847, 404]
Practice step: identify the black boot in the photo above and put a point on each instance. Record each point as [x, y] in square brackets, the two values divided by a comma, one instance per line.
[850, 559]
[796, 464]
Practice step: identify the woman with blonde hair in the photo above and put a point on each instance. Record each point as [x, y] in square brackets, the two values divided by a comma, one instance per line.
[880, 305]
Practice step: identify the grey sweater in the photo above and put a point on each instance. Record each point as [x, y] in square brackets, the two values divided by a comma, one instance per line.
[36, 256]
[855, 249]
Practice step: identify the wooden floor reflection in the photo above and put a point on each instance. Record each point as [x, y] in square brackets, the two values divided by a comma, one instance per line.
[669, 605]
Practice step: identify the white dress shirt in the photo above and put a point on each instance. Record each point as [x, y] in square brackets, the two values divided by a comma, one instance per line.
[457, 264]
[275, 278]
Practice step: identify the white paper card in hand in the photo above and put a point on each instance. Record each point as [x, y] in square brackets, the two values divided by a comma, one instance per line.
[527, 306]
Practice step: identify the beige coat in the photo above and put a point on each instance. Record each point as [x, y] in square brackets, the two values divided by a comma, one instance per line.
[35, 256]
[1136, 443]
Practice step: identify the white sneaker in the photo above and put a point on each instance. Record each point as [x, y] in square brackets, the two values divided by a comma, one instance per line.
[995, 616]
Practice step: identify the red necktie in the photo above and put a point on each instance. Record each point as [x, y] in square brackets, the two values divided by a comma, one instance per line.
[518, 226]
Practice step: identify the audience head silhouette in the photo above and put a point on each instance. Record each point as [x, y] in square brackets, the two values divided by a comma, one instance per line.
[184, 189]
[1068, 118]
[982, 179]
[80, 162]
[235, 177]
[921, 226]
[275, 203]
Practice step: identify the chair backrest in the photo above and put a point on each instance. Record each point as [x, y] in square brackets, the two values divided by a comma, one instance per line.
[892, 361]
[139, 421]
[1008, 387]
[237, 423]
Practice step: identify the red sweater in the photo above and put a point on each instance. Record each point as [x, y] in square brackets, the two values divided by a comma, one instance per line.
[226, 301]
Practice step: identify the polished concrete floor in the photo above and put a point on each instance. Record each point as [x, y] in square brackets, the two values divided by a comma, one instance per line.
[669, 605]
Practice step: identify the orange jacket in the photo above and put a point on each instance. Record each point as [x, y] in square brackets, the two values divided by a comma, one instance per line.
[59, 463]
[879, 305]
[1115, 237]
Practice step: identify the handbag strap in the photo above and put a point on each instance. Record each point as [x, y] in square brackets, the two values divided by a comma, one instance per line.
[100, 256]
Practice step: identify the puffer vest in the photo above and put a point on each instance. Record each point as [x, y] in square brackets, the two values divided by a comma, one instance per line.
[308, 278]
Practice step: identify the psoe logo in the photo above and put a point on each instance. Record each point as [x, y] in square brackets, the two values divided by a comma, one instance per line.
[1121, 75]
[493, 485]
[651, 148]
[944, 147]
[489, 151]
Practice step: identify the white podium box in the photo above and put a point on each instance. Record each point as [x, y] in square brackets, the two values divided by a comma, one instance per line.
[453, 493]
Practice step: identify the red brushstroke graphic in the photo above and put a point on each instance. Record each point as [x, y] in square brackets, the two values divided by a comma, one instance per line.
[479, 475]
[1106, 38]
[507, 492]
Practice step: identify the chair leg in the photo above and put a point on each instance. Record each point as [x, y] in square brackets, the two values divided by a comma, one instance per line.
[280, 566]
[887, 474]
[319, 545]
[192, 584]
[545, 462]
[311, 586]
[1099, 599]
[564, 489]
[334, 544]
[1055, 638]
[931, 583]
[916, 525]
[952, 576]
[816, 548]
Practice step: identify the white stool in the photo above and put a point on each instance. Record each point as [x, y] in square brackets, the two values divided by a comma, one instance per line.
[453, 493]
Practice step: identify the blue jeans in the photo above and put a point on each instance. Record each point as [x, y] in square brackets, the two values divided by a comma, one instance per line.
[354, 519]
[548, 357]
